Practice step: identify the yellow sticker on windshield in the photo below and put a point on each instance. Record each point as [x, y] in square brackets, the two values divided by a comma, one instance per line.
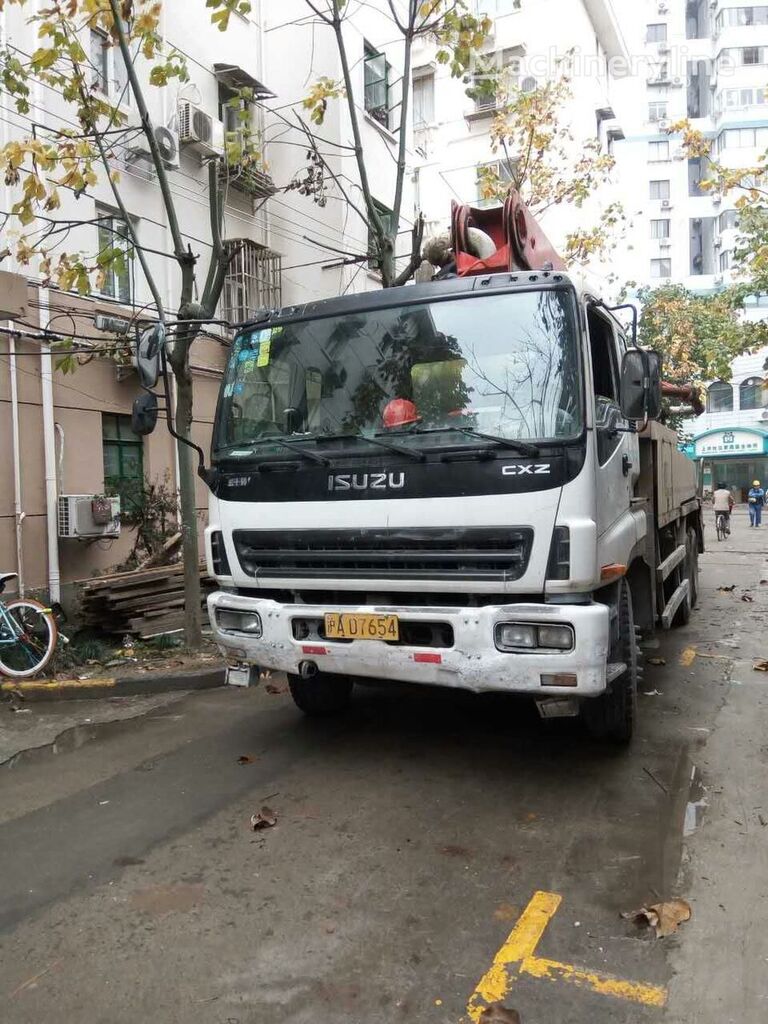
[264, 348]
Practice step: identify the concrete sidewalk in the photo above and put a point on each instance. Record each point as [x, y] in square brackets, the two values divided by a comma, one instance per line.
[116, 686]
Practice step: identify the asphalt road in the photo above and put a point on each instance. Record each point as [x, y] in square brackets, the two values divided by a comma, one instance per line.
[411, 836]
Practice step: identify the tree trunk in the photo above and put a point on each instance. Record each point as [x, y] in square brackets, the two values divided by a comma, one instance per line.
[190, 551]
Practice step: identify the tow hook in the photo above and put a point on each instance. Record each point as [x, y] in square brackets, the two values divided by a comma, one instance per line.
[307, 669]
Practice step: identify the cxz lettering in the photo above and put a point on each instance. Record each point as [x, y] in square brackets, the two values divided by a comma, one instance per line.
[527, 469]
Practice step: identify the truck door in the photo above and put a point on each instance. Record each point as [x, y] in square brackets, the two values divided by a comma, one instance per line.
[614, 446]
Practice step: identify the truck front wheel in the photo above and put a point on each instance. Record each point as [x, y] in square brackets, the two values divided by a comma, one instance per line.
[611, 716]
[321, 694]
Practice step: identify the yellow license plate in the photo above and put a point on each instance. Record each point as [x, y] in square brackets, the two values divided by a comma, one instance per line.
[352, 626]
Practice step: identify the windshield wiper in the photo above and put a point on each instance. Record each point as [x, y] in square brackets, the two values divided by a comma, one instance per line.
[398, 449]
[523, 447]
[304, 452]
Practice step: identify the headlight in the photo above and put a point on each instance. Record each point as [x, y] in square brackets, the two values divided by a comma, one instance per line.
[559, 637]
[514, 634]
[231, 621]
[523, 636]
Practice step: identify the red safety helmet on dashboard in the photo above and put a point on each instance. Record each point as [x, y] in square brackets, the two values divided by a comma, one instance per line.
[400, 412]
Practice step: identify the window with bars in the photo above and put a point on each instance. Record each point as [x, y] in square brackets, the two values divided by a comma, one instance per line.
[657, 111]
[116, 250]
[253, 281]
[728, 219]
[656, 33]
[376, 77]
[123, 460]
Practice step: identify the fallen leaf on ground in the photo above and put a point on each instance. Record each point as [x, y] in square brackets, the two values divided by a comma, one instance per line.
[664, 918]
[656, 661]
[506, 912]
[728, 590]
[246, 759]
[688, 657]
[274, 688]
[747, 597]
[760, 666]
[265, 818]
[498, 1014]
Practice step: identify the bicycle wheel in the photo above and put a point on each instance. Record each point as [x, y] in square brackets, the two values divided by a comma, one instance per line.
[36, 638]
[720, 526]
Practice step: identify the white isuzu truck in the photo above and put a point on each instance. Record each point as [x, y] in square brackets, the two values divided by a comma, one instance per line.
[459, 483]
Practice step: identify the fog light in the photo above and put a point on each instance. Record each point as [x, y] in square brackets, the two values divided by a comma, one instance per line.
[557, 637]
[559, 679]
[231, 621]
[510, 635]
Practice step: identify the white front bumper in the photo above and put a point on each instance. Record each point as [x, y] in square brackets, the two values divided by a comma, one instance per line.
[472, 663]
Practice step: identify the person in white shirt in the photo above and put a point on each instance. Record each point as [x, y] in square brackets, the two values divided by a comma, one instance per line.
[723, 502]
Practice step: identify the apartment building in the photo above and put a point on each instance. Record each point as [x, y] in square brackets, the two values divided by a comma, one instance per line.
[67, 438]
[529, 41]
[705, 61]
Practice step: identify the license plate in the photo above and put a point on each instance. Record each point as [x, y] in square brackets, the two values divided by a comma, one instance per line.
[352, 626]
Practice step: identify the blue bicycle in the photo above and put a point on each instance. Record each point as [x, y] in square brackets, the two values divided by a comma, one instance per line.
[28, 635]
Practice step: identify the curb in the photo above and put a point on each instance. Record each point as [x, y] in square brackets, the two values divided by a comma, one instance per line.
[126, 686]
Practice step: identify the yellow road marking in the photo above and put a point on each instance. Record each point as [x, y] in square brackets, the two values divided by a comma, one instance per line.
[516, 957]
[604, 984]
[688, 657]
[521, 943]
[53, 685]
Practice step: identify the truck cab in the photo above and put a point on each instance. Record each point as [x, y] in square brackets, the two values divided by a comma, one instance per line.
[437, 484]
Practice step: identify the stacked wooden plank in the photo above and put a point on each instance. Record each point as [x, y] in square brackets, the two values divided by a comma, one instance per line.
[144, 603]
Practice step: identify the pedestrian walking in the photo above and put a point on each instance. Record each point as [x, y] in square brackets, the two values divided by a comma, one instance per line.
[755, 502]
[722, 500]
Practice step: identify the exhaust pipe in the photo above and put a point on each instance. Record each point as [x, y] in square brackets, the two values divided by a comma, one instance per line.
[307, 669]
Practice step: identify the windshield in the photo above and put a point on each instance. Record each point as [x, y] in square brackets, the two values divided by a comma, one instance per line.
[506, 365]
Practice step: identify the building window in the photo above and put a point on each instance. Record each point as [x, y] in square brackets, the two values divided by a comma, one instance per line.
[737, 56]
[659, 189]
[656, 33]
[115, 248]
[504, 171]
[498, 8]
[253, 282]
[123, 460]
[423, 100]
[387, 218]
[376, 85]
[659, 229]
[661, 268]
[728, 220]
[738, 16]
[658, 151]
[725, 261]
[720, 397]
[108, 71]
[657, 111]
[750, 55]
[752, 394]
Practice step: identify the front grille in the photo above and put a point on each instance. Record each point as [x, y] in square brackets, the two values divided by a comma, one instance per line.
[484, 553]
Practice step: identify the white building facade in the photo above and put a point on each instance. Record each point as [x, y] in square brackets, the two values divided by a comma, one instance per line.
[531, 39]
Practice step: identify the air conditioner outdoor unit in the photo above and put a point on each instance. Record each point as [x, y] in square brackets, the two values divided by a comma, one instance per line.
[663, 124]
[666, 204]
[168, 144]
[719, 279]
[663, 7]
[664, 48]
[717, 198]
[679, 154]
[198, 129]
[84, 516]
[718, 242]
[677, 80]
[665, 243]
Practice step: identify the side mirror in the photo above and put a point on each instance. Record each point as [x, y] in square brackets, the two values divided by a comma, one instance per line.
[144, 414]
[640, 384]
[148, 351]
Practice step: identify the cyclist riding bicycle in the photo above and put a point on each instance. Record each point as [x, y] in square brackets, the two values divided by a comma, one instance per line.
[723, 502]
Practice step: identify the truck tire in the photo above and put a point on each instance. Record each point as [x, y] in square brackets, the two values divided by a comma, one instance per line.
[611, 717]
[322, 694]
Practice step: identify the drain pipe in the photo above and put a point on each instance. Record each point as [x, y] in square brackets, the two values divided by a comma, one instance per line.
[18, 513]
[49, 448]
